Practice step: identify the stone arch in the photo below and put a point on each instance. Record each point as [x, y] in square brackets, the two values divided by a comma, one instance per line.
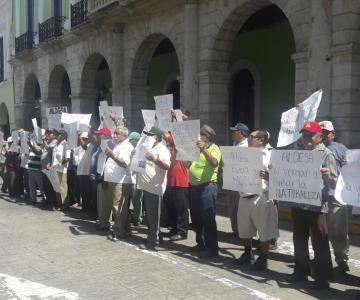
[244, 64]
[217, 58]
[31, 101]
[88, 86]
[59, 89]
[140, 70]
[4, 119]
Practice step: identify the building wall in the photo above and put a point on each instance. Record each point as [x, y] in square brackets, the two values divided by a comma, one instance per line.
[6, 86]
[325, 54]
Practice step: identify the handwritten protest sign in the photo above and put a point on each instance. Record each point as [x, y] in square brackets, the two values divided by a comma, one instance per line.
[112, 112]
[241, 171]
[149, 117]
[293, 120]
[71, 129]
[37, 132]
[82, 119]
[24, 142]
[15, 141]
[54, 116]
[53, 178]
[348, 184]
[164, 105]
[295, 176]
[138, 161]
[185, 136]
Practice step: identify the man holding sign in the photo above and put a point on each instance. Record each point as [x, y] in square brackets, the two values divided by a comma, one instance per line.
[257, 214]
[311, 218]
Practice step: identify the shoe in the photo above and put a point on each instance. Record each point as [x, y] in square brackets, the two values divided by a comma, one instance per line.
[260, 264]
[247, 258]
[114, 238]
[142, 246]
[178, 237]
[343, 267]
[255, 244]
[273, 245]
[318, 285]
[295, 277]
[153, 247]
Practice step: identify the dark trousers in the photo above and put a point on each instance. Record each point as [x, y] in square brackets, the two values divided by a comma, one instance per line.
[93, 190]
[203, 212]
[177, 206]
[50, 194]
[85, 192]
[73, 186]
[305, 221]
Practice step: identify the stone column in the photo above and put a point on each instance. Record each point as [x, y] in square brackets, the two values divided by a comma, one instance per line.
[301, 75]
[214, 102]
[190, 90]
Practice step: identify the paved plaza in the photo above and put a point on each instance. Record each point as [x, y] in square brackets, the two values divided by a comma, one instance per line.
[49, 255]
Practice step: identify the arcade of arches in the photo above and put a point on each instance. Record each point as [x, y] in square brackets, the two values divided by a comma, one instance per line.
[225, 61]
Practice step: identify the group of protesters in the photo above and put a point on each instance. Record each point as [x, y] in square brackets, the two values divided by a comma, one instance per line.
[96, 176]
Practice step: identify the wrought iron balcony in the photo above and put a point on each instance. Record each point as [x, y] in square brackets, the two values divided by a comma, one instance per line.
[51, 28]
[24, 41]
[96, 5]
[79, 12]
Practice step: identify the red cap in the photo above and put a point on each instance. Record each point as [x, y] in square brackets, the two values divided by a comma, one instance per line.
[105, 131]
[312, 127]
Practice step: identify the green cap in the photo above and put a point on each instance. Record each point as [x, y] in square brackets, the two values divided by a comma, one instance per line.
[134, 136]
[154, 131]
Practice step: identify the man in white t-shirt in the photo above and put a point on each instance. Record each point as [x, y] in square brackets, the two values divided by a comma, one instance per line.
[153, 183]
[118, 185]
[239, 136]
[60, 160]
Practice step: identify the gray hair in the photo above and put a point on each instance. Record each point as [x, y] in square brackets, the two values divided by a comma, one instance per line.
[123, 130]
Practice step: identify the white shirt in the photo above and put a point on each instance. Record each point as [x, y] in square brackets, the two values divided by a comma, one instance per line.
[154, 179]
[113, 172]
[266, 161]
[60, 153]
[84, 163]
[244, 143]
[78, 154]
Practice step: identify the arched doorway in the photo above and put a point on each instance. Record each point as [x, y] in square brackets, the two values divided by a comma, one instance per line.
[4, 120]
[155, 62]
[59, 88]
[96, 85]
[266, 42]
[31, 102]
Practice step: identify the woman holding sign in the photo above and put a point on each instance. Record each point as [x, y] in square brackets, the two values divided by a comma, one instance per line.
[203, 193]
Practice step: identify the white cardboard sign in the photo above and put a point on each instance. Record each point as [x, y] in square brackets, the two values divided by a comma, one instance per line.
[164, 106]
[293, 120]
[348, 184]
[241, 171]
[185, 136]
[295, 176]
[54, 116]
[138, 161]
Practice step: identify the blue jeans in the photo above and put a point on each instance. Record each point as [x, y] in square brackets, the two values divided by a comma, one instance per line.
[203, 212]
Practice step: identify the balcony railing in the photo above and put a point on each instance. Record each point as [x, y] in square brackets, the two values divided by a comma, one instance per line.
[51, 28]
[79, 12]
[96, 5]
[24, 41]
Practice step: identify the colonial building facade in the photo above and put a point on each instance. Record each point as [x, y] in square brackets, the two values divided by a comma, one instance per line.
[224, 60]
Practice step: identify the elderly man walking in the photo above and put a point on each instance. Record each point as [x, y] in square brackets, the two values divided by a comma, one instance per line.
[337, 216]
[119, 182]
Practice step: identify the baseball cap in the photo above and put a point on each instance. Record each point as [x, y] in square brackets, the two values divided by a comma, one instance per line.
[327, 125]
[134, 136]
[9, 139]
[105, 131]
[154, 131]
[312, 127]
[84, 135]
[240, 127]
[62, 132]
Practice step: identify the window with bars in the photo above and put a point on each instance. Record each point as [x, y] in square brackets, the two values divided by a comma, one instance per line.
[1, 59]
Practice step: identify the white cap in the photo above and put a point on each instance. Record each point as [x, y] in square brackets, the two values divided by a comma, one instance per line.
[327, 125]
[9, 139]
[84, 135]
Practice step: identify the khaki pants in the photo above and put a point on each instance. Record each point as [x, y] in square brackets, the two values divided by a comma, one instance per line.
[62, 196]
[114, 198]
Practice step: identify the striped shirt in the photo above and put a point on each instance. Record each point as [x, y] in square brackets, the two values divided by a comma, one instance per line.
[34, 162]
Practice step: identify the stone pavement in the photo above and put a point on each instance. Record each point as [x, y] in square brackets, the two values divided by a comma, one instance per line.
[49, 255]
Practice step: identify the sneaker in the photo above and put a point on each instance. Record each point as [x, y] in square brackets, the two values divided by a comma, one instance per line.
[114, 238]
[343, 267]
[177, 237]
[247, 258]
[260, 264]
